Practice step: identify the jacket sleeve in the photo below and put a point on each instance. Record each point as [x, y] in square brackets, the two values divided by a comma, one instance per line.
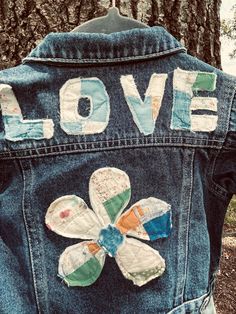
[225, 164]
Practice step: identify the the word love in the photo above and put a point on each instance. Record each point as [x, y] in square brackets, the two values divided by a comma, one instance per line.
[189, 112]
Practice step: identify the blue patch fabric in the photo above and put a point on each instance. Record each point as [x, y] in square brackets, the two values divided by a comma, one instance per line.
[110, 239]
[70, 94]
[181, 111]
[142, 114]
[16, 129]
[159, 227]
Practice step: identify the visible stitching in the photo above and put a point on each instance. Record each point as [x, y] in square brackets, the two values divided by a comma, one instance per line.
[9, 155]
[29, 238]
[107, 60]
[188, 222]
[111, 141]
[153, 140]
[183, 220]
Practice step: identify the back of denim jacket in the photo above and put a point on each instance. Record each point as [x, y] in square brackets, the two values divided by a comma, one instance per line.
[117, 163]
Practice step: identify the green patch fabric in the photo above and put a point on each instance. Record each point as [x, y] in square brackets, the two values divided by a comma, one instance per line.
[86, 274]
[114, 204]
[205, 81]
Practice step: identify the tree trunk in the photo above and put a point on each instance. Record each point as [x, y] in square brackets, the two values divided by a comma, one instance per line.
[23, 23]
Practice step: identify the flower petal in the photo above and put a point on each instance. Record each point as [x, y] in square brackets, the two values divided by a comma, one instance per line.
[148, 219]
[139, 262]
[81, 264]
[109, 190]
[70, 217]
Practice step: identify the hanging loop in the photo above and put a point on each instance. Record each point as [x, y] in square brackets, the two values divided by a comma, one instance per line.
[113, 3]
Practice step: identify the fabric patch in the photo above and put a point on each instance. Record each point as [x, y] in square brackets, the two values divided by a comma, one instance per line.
[205, 81]
[139, 262]
[148, 219]
[115, 203]
[109, 190]
[78, 266]
[204, 103]
[205, 123]
[70, 217]
[181, 113]
[86, 274]
[110, 239]
[144, 112]
[184, 83]
[70, 94]
[158, 227]
[16, 128]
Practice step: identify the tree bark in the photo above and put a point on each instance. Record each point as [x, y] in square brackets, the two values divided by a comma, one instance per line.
[23, 23]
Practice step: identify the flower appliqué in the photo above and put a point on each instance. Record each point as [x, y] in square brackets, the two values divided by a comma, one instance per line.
[106, 230]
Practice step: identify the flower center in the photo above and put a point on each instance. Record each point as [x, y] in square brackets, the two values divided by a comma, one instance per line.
[110, 239]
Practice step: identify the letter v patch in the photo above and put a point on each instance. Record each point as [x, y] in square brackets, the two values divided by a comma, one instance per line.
[144, 112]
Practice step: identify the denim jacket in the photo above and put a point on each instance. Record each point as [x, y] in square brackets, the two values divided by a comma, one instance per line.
[117, 163]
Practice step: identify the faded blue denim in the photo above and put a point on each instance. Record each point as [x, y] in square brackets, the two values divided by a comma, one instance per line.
[195, 172]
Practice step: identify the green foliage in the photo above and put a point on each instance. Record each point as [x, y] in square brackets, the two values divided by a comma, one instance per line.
[228, 29]
[231, 213]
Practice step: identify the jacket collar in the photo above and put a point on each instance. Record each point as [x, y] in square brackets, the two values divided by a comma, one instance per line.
[102, 48]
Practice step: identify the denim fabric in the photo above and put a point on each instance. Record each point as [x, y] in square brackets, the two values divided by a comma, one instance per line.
[192, 170]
